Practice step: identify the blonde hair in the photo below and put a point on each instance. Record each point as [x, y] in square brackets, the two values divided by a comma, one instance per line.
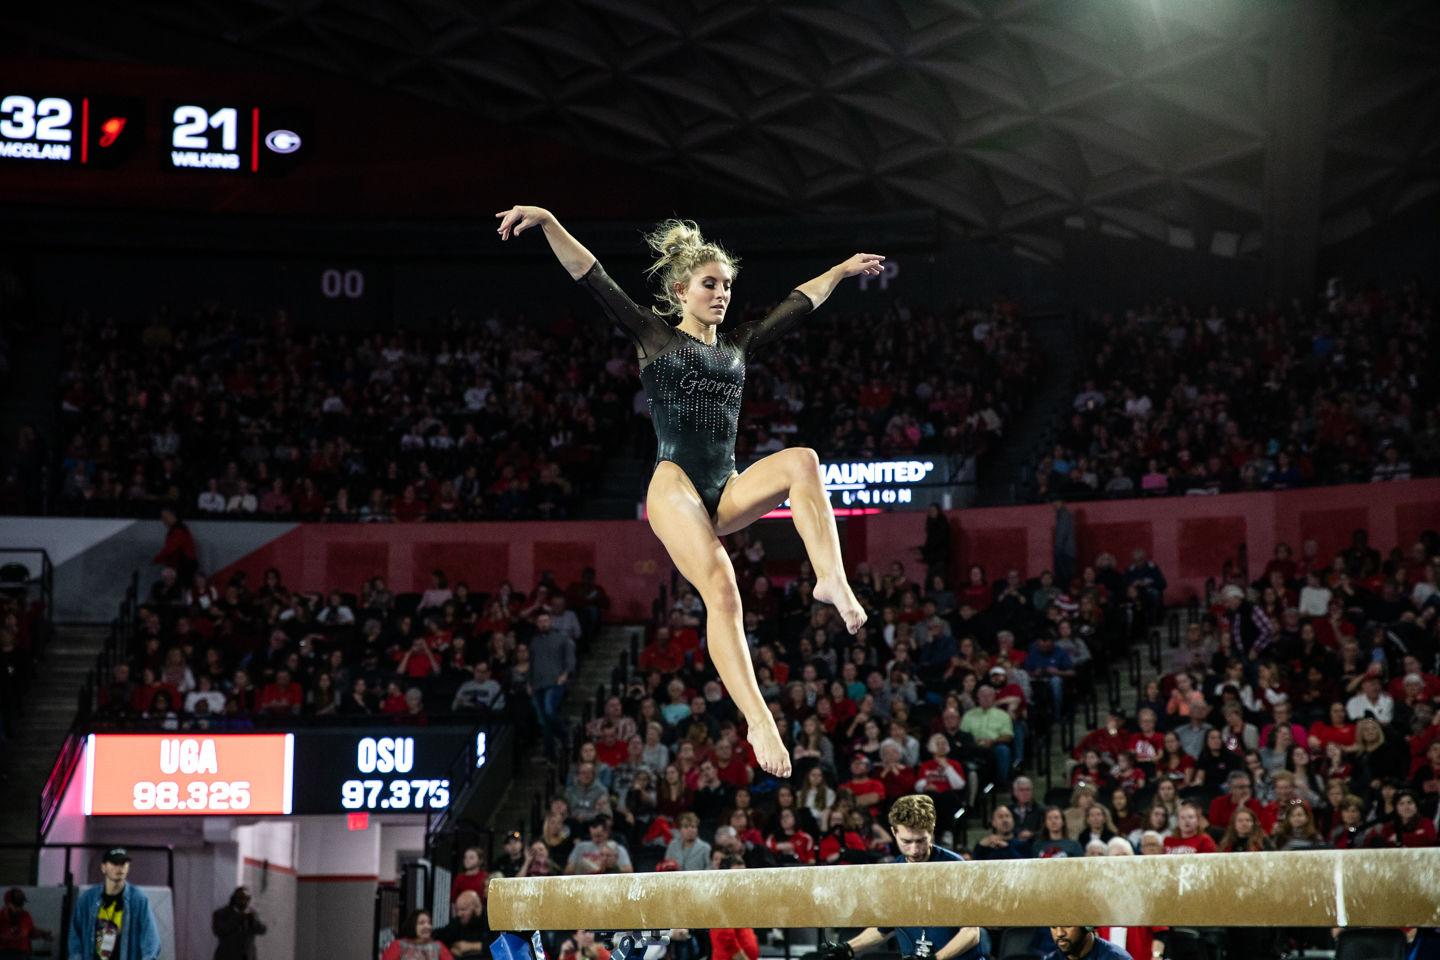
[680, 250]
[915, 811]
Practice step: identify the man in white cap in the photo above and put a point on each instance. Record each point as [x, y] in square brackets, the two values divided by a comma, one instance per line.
[1251, 631]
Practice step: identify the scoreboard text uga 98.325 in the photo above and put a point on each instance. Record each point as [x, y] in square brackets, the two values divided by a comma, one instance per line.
[379, 770]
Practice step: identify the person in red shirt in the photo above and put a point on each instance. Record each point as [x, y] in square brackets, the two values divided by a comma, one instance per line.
[1188, 837]
[1430, 682]
[869, 792]
[731, 767]
[976, 593]
[1239, 794]
[1407, 828]
[611, 750]
[419, 661]
[893, 773]
[733, 943]
[840, 845]
[1108, 741]
[282, 696]
[472, 875]
[664, 653]
[178, 550]
[1339, 728]
[17, 927]
[941, 778]
[789, 842]
[1148, 743]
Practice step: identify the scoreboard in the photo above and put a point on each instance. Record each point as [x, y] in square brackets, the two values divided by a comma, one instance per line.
[315, 771]
[236, 137]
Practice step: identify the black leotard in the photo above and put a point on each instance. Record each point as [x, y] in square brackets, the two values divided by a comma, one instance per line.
[693, 388]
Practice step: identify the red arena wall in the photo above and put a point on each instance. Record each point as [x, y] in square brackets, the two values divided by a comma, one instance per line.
[1190, 537]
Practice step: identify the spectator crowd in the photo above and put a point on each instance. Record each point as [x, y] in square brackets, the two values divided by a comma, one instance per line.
[221, 412]
[1176, 402]
[242, 654]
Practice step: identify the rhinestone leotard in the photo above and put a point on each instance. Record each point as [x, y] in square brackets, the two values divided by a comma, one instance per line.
[693, 388]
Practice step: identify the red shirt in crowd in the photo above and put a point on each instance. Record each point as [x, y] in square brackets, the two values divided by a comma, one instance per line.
[16, 928]
[932, 771]
[1325, 733]
[1139, 942]
[1104, 742]
[469, 881]
[1222, 808]
[830, 845]
[736, 773]
[1421, 833]
[867, 785]
[1147, 746]
[802, 842]
[727, 944]
[665, 657]
[899, 783]
[1200, 843]
[614, 754]
[274, 699]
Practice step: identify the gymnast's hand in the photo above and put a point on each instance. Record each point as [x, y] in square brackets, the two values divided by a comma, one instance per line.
[834, 950]
[867, 264]
[518, 219]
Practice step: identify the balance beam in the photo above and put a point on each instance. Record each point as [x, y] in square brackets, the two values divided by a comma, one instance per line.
[1318, 888]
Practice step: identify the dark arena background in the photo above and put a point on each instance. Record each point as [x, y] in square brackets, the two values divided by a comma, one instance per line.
[329, 594]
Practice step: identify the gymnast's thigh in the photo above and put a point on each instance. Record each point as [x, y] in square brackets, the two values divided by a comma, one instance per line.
[680, 521]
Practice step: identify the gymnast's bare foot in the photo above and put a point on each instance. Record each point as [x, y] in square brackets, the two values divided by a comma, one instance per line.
[837, 591]
[769, 748]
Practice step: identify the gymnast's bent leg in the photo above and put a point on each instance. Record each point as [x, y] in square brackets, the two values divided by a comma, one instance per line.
[795, 474]
[680, 521]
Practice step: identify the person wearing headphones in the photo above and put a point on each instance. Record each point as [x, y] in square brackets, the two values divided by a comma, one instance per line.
[1073, 943]
[912, 822]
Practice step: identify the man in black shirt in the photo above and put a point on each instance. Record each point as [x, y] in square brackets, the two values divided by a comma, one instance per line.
[467, 931]
[512, 858]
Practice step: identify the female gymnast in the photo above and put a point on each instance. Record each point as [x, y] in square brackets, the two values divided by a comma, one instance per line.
[693, 375]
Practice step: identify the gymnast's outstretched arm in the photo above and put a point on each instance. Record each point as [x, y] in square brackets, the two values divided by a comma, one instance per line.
[570, 252]
[787, 314]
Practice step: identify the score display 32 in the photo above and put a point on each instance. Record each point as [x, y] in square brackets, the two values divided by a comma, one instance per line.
[80, 131]
[235, 139]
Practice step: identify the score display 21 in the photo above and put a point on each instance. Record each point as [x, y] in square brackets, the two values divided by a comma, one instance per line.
[227, 138]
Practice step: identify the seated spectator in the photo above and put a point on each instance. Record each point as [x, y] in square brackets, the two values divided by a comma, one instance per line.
[1239, 795]
[481, 694]
[839, 844]
[538, 862]
[1052, 839]
[472, 877]
[1406, 828]
[1244, 834]
[586, 857]
[868, 790]
[467, 932]
[1372, 700]
[687, 849]
[790, 844]
[586, 797]
[992, 729]
[282, 696]
[1295, 829]
[1188, 836]
[1000, 843]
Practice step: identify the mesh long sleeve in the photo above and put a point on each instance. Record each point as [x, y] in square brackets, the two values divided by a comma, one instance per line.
[650, 333]
[785, 317]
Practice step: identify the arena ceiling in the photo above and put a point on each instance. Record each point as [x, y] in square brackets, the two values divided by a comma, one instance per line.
[1018, 120]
